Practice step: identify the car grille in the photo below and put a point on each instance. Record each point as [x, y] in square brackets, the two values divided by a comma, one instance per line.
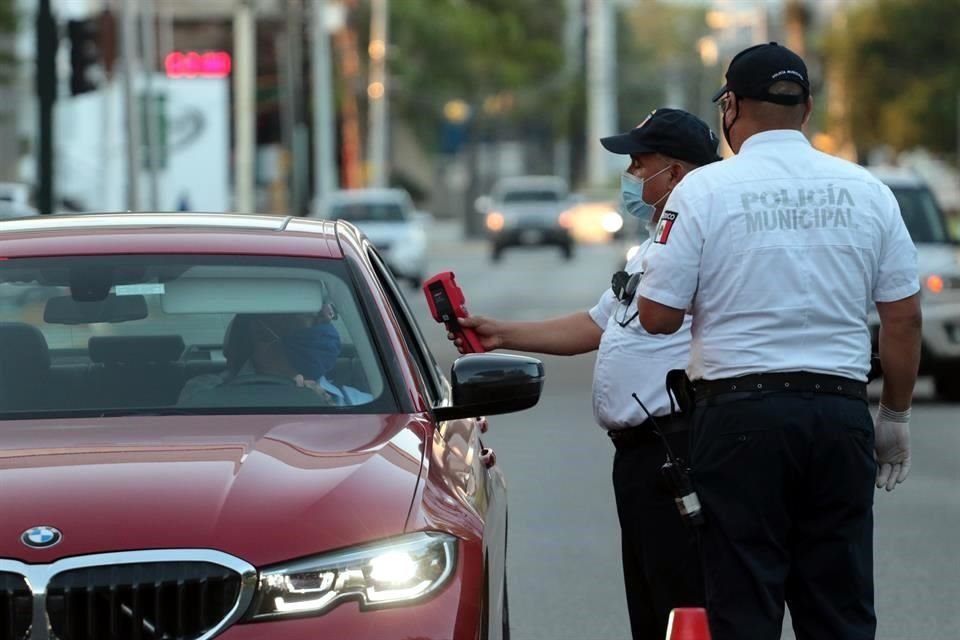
[118, 597]
[177, 600]
[15, 607]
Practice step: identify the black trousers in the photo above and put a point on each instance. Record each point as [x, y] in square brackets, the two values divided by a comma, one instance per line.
[661, 567]
[786, 481]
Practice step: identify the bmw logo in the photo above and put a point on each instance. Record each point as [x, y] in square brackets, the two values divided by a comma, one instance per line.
[41, 537]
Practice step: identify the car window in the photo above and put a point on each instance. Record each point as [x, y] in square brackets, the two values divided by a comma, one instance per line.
[922, 215]
[517, 197]
[195, 334]
[368, 212]
[427, 366]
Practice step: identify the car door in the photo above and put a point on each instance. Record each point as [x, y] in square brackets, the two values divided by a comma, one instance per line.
[458, 445]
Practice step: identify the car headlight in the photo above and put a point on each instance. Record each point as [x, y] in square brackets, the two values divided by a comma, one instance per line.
[936, 283]
[611, 222]
[495, 221]
[401, 570]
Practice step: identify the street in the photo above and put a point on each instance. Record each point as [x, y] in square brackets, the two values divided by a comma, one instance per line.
[564, 571]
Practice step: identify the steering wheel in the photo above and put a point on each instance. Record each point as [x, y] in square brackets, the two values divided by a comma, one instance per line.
[277, 381]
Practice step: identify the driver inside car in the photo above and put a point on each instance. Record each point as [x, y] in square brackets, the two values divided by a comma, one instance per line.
[301, 347]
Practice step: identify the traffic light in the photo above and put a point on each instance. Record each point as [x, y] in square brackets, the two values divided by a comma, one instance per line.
[92, 51]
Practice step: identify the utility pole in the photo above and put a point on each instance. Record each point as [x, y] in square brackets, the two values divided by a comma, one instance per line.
[148, 25]
[601, 87]
[324, 123]
[244, 102]
[573, 67]
[294, 113]
[128, 52]
[47, 95]
[346, 43]
[377, 92]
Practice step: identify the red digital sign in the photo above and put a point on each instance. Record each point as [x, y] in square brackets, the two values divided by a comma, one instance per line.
[190, 64]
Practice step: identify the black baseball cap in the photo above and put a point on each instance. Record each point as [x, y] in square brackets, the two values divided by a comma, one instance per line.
[672, 132]
[753, 70]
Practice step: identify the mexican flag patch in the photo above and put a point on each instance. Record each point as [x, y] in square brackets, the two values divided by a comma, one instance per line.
[664, 226]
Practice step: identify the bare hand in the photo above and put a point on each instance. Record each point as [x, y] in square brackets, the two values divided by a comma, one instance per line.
[300, 381]
[490, 331]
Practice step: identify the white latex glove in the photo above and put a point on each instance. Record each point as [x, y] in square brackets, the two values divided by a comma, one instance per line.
[892, 447]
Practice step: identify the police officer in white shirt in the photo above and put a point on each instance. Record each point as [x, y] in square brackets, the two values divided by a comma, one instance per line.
[660, 561]
[778, 253]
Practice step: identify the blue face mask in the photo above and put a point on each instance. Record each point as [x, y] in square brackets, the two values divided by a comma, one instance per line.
[631, 195]
[313, 351]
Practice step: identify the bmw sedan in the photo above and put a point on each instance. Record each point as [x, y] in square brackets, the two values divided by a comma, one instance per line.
[230, 426]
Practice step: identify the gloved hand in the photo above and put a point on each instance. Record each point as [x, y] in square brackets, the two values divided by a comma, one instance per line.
[892, 447]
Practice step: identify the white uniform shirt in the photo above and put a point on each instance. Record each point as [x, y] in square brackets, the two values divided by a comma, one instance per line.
[779, 252]
[630, 360]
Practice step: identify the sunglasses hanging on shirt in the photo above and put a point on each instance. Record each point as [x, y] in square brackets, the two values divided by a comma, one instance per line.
[624, 286]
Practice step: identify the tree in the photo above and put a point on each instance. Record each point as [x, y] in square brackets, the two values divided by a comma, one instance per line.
[474, 50]
[898, 62]
[657, 46]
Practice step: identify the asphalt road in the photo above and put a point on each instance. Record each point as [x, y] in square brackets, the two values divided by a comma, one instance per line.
[564, 567]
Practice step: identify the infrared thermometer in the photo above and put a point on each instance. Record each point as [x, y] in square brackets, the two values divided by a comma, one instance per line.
[446, 302]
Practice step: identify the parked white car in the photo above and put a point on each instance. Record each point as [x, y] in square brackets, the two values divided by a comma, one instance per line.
[15, 201]
[388, 218]
[939, 261]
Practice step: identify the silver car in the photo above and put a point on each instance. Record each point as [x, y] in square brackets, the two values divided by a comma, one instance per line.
[530, 211]
[939, 261]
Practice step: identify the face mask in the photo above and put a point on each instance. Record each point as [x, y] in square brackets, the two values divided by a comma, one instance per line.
[727, 127]
[313, 351]
[631, 195]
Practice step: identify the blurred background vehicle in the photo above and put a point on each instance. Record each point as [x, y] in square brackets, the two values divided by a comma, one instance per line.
[594, 217]
[529, 211]
[387, 217]
[15, 201]
[939, 258]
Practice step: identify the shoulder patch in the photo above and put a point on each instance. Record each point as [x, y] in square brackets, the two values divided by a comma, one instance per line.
[662, 233]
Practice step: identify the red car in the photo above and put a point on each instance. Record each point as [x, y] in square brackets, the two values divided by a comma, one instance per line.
[230, 426]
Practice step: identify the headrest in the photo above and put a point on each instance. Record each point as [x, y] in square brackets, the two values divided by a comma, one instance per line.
[135, 349]
[23, 346]
[238, 341]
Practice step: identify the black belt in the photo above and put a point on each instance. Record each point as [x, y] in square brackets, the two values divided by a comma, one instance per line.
[645, 433]
[793, 381]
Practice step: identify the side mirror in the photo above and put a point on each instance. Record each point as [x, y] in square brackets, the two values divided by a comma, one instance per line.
[486, 384]
[483, 205]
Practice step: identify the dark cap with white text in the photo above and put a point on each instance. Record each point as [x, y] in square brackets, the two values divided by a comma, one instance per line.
[673, 132]
[754, 70]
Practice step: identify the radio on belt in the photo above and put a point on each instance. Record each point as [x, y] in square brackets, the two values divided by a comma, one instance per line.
[446, 303]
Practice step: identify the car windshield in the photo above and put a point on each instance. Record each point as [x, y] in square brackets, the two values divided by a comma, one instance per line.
[368, 212]
[542, 195]
[176, 334]
[922, 215]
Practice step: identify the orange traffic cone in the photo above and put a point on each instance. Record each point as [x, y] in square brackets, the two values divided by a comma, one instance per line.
[688, 624]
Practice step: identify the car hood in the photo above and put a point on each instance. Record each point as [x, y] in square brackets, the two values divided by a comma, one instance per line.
[385, 232]
[942, 259]
[263, 488]
[532, 209]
